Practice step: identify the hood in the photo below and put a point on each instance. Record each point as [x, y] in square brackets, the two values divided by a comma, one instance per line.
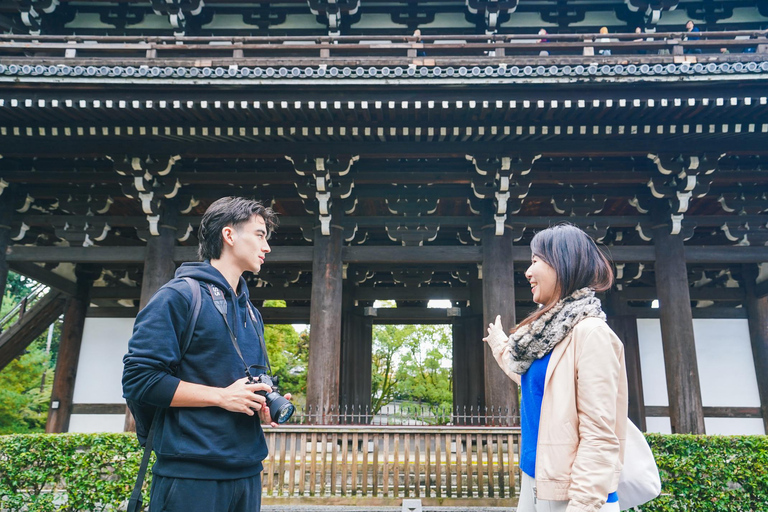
[207, 273]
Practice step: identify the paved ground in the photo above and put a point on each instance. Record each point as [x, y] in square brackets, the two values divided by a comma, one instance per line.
[294, 508]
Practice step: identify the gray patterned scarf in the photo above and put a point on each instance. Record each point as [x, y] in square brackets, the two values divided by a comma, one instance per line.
[537, 339]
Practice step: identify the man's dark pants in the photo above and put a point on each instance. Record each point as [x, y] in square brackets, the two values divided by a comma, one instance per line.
[188, 495]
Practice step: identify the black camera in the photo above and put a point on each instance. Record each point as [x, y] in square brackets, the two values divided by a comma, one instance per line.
[280, 408]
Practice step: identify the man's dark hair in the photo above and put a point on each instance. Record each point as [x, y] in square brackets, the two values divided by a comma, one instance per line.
[229, 211]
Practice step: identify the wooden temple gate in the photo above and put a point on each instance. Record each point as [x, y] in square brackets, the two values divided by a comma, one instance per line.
[404, 168]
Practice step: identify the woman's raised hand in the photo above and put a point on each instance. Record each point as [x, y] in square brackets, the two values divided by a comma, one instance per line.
[495, 329]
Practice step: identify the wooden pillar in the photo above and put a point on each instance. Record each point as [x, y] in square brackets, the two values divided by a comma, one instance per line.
[498, 299]
[625, 327]
[468, 366]
[6, 214]
[159, 268]
[325, 325]
[683, 387]
[757, 312]
[356, 354]
[69, 350]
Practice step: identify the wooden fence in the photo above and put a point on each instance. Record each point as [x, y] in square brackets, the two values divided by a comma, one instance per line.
[379, 465]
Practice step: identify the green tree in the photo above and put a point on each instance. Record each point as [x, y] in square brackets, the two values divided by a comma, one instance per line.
[411, 362]
[388, 341]
[424, 374]
[288, 354]
[24, 396]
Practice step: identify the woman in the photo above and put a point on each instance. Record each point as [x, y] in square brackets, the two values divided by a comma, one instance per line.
[570, 366]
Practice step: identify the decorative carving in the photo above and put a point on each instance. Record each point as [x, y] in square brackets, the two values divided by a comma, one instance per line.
[564, 14]
[333, 11]
[581, 203]
[651, 10]
[744, 203]
[412, 17]
[85, 204]
[412, 231]
[263, 16]
[32, 12]
[502, 180]
[122, 16]
[150, 184]
[683, 177]
[178, 11]
[326, 182]
[492, 10]
[627, 273]
[85, 234]
[412, 277]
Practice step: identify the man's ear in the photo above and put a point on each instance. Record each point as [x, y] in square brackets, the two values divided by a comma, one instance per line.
[227, 235]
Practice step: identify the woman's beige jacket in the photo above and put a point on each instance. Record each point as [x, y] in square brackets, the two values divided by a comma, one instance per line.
[583, 423]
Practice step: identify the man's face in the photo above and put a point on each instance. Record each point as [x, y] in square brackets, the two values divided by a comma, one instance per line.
[689, 26]
[250, 244]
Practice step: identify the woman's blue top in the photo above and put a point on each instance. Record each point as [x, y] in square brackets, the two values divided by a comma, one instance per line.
[532, 383]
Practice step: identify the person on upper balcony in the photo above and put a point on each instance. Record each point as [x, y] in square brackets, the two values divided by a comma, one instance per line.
[692, 35]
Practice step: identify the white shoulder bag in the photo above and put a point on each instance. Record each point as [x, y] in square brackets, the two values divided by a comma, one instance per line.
[640, 481]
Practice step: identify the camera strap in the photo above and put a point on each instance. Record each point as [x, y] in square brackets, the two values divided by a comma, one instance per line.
[221, 305]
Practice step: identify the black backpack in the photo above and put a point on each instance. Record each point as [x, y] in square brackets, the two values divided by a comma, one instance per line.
[147, 416]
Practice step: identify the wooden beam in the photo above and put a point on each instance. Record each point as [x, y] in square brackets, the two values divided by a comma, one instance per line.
[429, 254]
[44, 276]
[683, 386]
[420, 293]
[596, 147]
[657, 411]
[325, 321]
[427, 292]
[17, 337]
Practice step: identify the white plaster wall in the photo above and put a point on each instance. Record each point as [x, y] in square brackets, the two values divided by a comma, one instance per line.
[652, 362]
[726, 372]
[100, 370]
[726, 367]
[96, 423]
[734, 426]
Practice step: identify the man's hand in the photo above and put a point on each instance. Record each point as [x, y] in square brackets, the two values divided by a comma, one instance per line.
[266, 417]
[240, 396]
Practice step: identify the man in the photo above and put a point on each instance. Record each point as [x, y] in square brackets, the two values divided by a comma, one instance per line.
[208, 442]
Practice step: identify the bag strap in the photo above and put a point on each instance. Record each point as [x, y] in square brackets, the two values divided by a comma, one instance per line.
[221, 305]
[135, 503]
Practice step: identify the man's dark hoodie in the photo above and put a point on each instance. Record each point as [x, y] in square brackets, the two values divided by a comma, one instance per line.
[208, 443]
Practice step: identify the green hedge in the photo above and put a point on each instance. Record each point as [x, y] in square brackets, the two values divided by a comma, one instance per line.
[711, 473]
[95, 472]
[67, 472]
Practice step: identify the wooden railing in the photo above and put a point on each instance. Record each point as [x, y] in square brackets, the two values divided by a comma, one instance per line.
[375, 49]
[382, 465]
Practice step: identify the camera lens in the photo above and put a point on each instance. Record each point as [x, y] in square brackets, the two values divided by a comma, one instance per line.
[280, 408]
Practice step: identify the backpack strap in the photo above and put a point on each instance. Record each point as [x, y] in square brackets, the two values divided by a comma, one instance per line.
[189, 329]
[135, 503]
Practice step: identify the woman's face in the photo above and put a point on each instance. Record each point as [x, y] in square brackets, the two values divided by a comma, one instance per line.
[543, 279]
